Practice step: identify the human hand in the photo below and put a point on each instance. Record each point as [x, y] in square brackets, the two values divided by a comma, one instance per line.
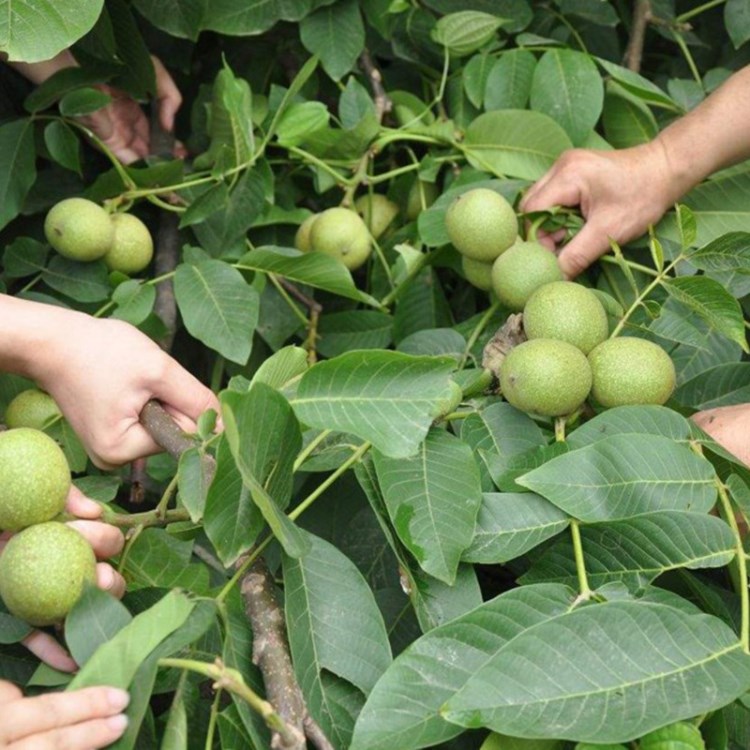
[101, 373]
[620, 193]
[106, 541]
[122, 125]
[78, 720]
[729, 427]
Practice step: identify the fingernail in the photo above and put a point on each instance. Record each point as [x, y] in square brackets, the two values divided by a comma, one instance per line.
[117, 723]
[118, 699]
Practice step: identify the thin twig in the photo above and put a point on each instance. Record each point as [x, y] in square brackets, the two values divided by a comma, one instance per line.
[315, 309]
[641, 17]
[383, 103]
[167, 255]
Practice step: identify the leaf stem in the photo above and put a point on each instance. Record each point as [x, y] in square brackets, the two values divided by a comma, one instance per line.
[161, 509]
[311, 446]
[477, 332]
[212, 720]
[583, 579]
[742, 585]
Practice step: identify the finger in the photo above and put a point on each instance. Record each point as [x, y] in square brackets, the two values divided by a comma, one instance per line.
[9, 692]
[168, 95]
[558, 192]
[109, 580]
[55, 710]
[89, 734]
[46, 648]
[185, 393]
[136, 443]
[125, 155]
[105, 539]
[583, 250]
[179, 150]
[81, 506]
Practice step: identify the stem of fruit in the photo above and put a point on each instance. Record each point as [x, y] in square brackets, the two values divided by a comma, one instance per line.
[229, 679]
[560, 429]
[583, 579]
[477, 332]
[727, 513]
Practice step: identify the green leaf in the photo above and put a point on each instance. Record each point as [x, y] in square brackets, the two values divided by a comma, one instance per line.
[637, 550]
[83, 101]
[282, 367]
[116, 661]
[135, 301]
[231, 519]
[218, 307]
[403, 710]
[158, 559]
[512, 523]
[632, 420]
[24, 256]
[264, 438]
[36, 30]
[95, 619]
[627, 120]
[568, 87]
[465, 31]
[12, 629]
[515, 143]
[334, 624]
[737, 21]
[230, 124]
[637, 85]
[356, 329]
[315, 269]
[83, 282]
[612, 656]
[730, 252]
[193, 482]
[433, 500]
[387, 398]
[474, 78]
[509, 81]
[299, 121]
[336, 34]
[709, 299]
[17, 162]
[62, 144]
[619, 477]
[723, 385]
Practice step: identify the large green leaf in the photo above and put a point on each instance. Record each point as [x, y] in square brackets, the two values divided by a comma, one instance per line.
[568, 87]
[709, 299]
[83, 282]
[116, 661]
[465, 31]
[433, 499]
[515, 143]
[509, 81]
[387, 398]
[723, 385]
[264, 437]
[637, 85]
[335, 34]
[218, 307]
[403, 710]
[730, 252]
[17, 164]
[619, 477]
[315, 269]
[605, 673]
[510, 524]
[36, 30]
[627, 120]
[637, 550]
[334, 624]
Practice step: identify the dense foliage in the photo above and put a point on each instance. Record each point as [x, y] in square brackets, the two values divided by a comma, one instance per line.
[441, 572]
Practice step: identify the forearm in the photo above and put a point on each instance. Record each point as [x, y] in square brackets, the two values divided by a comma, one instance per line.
[716, 134]
[39, 72]
[27, 330]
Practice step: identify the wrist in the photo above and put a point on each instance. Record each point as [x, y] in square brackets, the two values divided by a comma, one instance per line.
[39, 72]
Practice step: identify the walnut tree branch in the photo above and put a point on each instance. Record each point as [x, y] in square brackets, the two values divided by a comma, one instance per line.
[634, 52]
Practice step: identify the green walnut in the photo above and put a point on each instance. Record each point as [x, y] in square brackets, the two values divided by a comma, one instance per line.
[377, 211]
[566, 311]
[481, 224]
[79, 229]
[477, 273]
[132, 246]
[302, 235]
[545, 376]
[521, 270]
[36, 478]
[629, 370]
[341, 233]
[31, 408]
[43, 571]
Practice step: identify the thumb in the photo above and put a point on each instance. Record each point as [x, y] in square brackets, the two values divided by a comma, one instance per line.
[181, 392]
[588, 245]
